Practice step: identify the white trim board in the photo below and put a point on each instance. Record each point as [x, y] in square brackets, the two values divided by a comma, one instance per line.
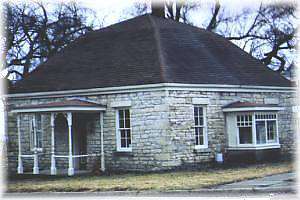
[56, 109]
[273, 146]
[154, 87]
[252, 109]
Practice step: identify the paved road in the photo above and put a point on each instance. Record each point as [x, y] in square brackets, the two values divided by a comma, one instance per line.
[279, 181]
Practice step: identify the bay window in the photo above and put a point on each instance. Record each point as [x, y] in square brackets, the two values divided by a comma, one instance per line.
[257, 128]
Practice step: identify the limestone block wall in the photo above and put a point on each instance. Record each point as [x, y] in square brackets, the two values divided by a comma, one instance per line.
[162, 128]
[181, 121]
[148, 122]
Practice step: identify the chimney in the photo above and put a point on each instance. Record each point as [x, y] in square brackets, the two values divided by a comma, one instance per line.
[158, 8]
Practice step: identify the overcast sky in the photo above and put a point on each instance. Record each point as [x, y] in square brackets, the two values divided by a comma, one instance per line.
[113, 11]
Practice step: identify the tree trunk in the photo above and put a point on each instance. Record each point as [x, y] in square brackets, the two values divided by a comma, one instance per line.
[158, 8]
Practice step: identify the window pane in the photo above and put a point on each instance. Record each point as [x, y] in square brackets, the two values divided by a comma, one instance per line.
[197, 139]
[128, 133]
[199, 136]
[121, 123]
[127, 123]
[196, 111]
[260, 132]
[200, 111]
[198, 116]
[121, 114]
[196, 121]
[201, 121]
[128, 138]
[201, 140]
[271, 130]
[121, 119]
[123, 133]
[123, 142]
[127, 114]
[245, 135]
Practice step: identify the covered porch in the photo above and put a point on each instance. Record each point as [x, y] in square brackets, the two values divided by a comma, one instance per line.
[69, 121]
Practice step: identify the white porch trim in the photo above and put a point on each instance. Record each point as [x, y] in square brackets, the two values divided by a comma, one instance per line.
[53, 164]
[35, 157]
[35, 154]
[20, 164]
[102, 143]
[57, 109]
[71, 168]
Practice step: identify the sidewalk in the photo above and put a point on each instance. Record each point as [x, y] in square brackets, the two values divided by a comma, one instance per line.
[285, 181]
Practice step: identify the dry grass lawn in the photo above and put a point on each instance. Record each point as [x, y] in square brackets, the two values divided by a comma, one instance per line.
[152, 181]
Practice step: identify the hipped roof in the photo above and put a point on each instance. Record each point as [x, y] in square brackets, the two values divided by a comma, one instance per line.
[148, 50]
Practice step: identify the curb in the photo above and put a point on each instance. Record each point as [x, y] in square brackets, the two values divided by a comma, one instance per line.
[164, 193]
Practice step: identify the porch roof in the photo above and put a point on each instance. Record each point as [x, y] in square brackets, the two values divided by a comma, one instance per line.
[250, 106]
[58, 106]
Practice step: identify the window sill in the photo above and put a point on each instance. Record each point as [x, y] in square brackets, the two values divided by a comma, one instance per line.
[203, 147]
[123, 153]
[124, 150]
[254, 147]
[203, 150]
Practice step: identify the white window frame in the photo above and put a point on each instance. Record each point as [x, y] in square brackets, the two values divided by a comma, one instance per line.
[118, 131]
[254, 141]
[275, 141]
[204, 126]
[33, 133]
[238, 130]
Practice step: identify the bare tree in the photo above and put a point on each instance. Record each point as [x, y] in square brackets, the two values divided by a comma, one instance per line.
[33, 33]
[267, 33]
[271, 35]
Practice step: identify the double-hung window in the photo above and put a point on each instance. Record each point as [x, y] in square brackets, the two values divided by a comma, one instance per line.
[124, 137]
[36, 133]
[200, 127]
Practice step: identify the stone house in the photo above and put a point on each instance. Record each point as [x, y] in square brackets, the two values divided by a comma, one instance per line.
[147, 94]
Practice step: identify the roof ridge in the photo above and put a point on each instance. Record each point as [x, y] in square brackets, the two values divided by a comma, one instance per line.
[157, 38]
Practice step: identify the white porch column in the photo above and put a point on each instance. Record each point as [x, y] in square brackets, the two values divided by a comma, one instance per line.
[20, 164]
[53, 167]
[70, 169]
[35, 158]
[102, 143]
